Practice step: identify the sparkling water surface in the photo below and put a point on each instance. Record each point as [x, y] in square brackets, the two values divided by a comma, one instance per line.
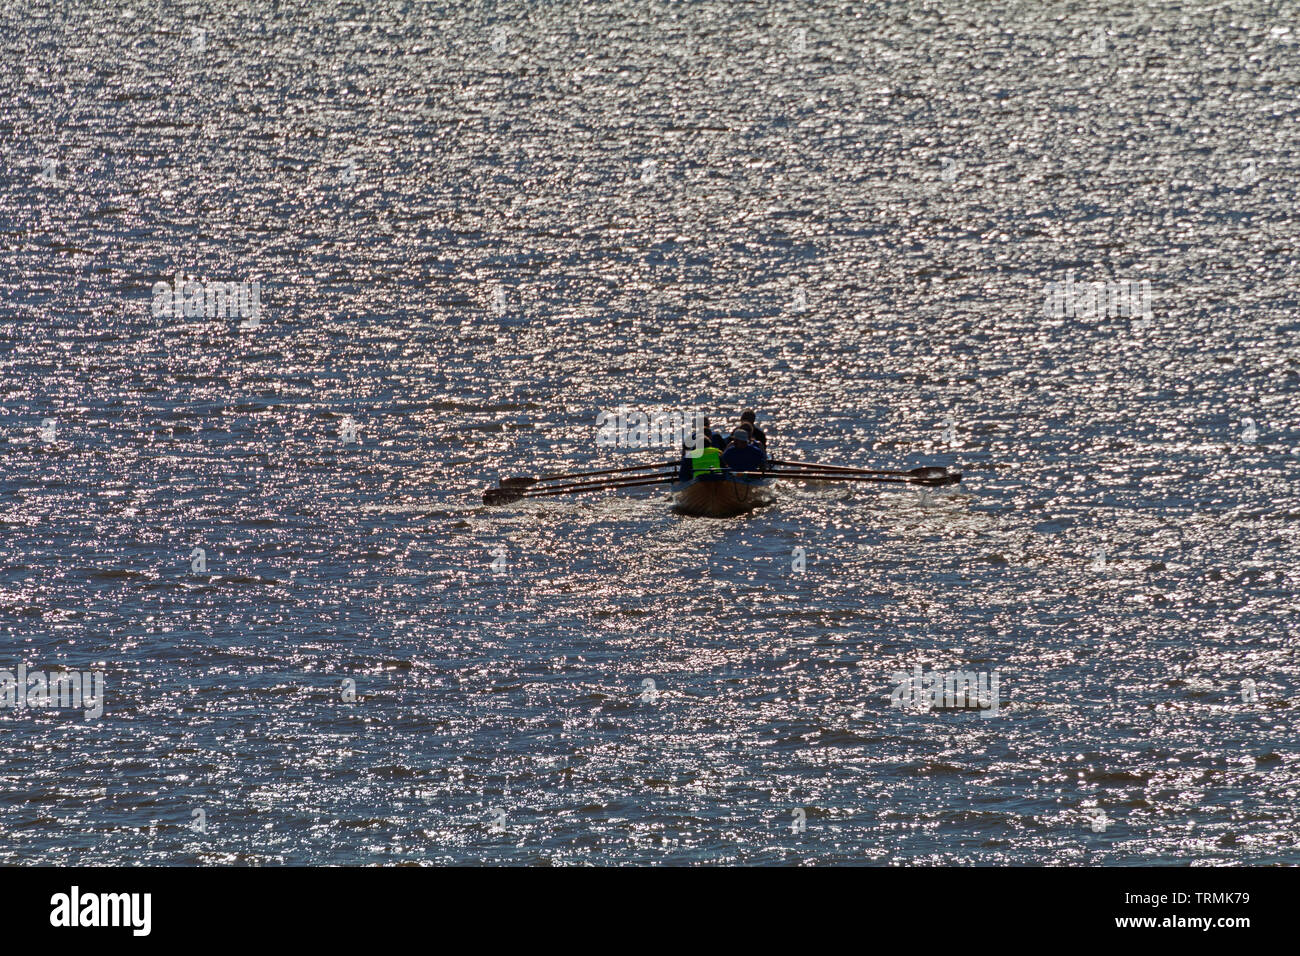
[476, 226]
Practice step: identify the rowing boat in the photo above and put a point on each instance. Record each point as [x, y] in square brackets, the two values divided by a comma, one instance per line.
[720, 496]
[716, 494]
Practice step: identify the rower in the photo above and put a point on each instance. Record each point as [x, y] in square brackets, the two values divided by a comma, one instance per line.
[715, 439]
[696, 462]
[748, 429]
[747, 417]
[753, 440]
[743, 455]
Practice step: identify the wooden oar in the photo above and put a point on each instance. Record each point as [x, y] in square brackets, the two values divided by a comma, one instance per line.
[936, 482]
[932, 471]
[501, 496]
[619, 486]
[582, 485]
[523, 482]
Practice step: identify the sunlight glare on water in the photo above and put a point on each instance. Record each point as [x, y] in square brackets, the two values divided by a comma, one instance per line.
[477, 226]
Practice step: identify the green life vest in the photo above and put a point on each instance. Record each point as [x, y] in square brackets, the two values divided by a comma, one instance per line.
[709, 459]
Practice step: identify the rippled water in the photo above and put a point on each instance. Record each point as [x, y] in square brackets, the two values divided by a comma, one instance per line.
[475, 227]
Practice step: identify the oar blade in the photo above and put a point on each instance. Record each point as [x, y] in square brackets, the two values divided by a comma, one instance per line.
[928, 471]
[519, 482]
[501, 496]
[941, 481]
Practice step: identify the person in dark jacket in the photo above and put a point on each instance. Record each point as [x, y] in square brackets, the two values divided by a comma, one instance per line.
[742, 454]
[748, 429]
[716, 439]
[748, 417]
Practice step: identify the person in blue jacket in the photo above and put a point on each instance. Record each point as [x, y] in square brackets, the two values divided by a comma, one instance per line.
[742, 454]
[754, 442]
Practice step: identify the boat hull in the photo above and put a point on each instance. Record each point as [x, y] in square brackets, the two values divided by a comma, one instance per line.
[721, 496]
